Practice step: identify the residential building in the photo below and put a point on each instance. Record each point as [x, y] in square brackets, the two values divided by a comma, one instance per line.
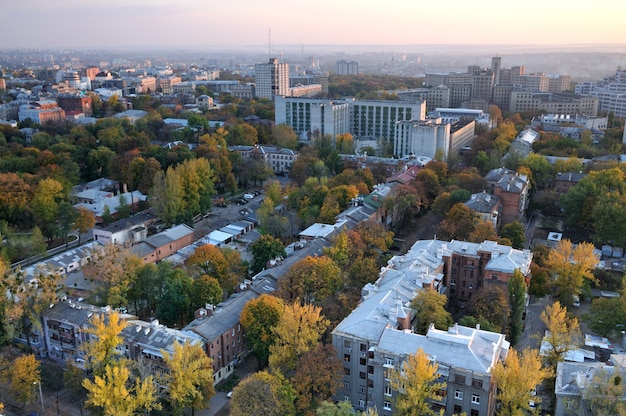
[523, 143]
[563, 182]
[435, 97]
[347, 68]
[41, 112]
[75, 102]
[243, 91]
[452, 115]
[125, 232]
[579, 120]
[610, 92]
[471, 266]
[378, 335]
[377, 118]
[166, 83]
[523, 100]
[280, 160]
[313, 117]
[271, 79]
[164, 244]
[512, 189]
[422, 138]
[98, 202]
[311, 90]
[487, 206]
[574, 380]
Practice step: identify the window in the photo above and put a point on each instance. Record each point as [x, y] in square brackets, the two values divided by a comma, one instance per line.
[389, 362]
[474, 412]
[475, 399]
[458, 379]
[347, 343]
[346, 358]
[362, 361]
[346, 371]
[476, 383]
[386, 405]
[362, 375]
[346, 385]
[361, 389]
[457, 409]
[471, 286]
[387, 390]
[361, 403]
[458, 394]
[346, 398]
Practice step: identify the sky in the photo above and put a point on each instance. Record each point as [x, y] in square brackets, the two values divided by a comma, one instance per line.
[127, 24]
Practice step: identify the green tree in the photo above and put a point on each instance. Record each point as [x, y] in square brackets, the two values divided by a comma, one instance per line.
[515, 233]
[205, 289]
[492, 303]
[189, 379]
[517, 300]
[263, 393]
[166, 196]
[73, 381]
[116, 395]
[562, 336]
[429, 307]
[45, 205]
[259, 317]
[298, 331]
[516, 377]
[416, 382]
[606, 316]
[342, 408]
[25, 373]
[174, 308]
[265, 249]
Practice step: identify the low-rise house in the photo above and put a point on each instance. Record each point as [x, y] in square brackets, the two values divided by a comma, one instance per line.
[512, 189]
[563, 182]
[127, 231]
[98, 202]
[487, 206]
[164, 244]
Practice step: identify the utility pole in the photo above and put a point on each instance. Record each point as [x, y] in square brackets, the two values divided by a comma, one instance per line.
[43, 410]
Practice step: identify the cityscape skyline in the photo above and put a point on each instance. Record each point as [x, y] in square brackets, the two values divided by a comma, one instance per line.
[244, 23]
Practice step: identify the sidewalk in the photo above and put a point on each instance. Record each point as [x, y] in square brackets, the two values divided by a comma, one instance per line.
[220, 404]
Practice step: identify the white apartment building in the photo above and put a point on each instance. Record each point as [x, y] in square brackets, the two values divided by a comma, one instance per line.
[271, 79]
[313, 117]
[611, 93]
[377, 118]
[421, 138]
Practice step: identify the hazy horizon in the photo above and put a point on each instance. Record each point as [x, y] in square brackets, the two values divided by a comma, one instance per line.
[247, 24]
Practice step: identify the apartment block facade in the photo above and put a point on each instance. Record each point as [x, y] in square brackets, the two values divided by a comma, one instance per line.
[271, 79]
[378, 336]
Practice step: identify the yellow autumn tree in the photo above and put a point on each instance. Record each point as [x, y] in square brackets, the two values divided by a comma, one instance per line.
[516, 378]
[571, 265]
[415, 381]
[101, 350]
[563, 333]
[298, 331]
[189, 380]
[116, 395]
[25, 373]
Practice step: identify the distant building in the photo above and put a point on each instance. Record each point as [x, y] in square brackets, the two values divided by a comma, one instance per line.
[563, 182]
[347, 68]
[610, 92]
[280, 160]
[523, 100]
[41, 112]
[75, 102]
[271, 79]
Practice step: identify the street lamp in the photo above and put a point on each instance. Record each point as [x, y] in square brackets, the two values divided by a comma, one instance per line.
[43, 410]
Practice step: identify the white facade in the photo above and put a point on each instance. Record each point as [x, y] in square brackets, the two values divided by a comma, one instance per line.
[377, 119]
[611, 93]
[311, 117]
[271, 79]
[421, 138]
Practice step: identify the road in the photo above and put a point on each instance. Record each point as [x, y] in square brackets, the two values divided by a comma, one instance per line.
[534, 328]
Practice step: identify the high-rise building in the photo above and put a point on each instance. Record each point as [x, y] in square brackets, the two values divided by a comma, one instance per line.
[271, 79]
[347, 68]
